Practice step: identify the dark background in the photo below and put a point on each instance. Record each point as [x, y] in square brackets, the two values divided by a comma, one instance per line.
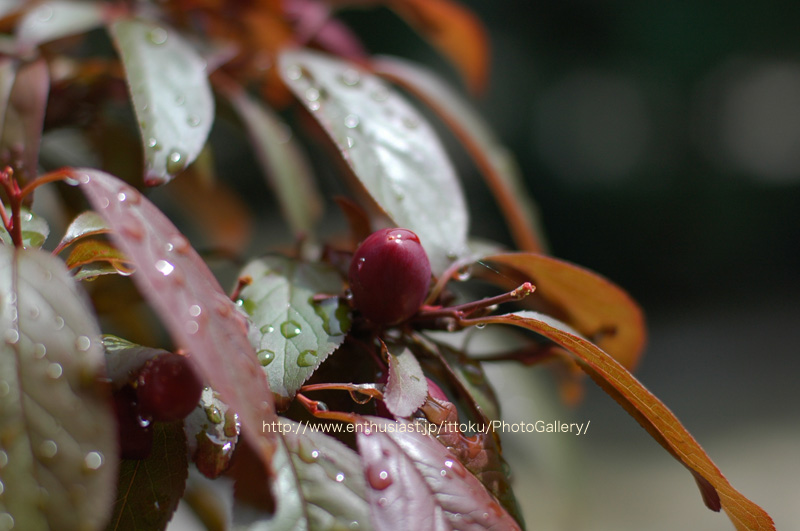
[661, 141]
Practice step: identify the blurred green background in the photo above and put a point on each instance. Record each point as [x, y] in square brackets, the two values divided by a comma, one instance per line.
[661, 141]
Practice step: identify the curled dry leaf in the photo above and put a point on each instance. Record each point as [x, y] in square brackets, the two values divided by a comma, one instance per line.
[651, 413]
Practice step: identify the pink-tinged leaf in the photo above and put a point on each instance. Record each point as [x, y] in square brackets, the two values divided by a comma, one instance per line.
[183, 291]
[24, 116]
[56, 421]
[651, 413]
[406, 388]
[55, 19]
[280, 157]
[413, 482]
[171, 95]
[495, 161]
[393, 151]
[596, 307]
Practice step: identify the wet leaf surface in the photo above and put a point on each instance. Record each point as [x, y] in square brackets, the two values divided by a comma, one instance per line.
[87, 223]
[292, 334]
[149, 489]
[34, 230]
[320, 484]
[212, 431]
[124, 359]
[651, 413]
[393, 151]
[406, 388]
[55, 19]
[183, 291]
[55, 414]
[171, 95]
[415, 483]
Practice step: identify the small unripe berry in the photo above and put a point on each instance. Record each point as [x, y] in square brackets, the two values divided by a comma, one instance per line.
[168, 388]
[389, 276]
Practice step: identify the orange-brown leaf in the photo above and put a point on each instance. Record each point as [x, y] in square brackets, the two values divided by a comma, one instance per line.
[594, 306]
[652, 414]
[455, 31]
[91, 251]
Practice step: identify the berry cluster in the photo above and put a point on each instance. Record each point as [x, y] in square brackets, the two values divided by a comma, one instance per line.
[165, 389]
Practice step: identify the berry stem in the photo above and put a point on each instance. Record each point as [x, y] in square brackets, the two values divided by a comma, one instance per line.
[461, 312]
[51, 177]
[321, 411]
[370, 390]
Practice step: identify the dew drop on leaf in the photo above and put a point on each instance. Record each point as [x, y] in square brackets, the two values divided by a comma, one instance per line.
[157, 36]
[192, 327]
[82, 343]
[92, 461]
[351, 121]
[11, 336]
[378, 478]
[54, 371]
[214, 414]
[339, 477]
[3, 459]
[164, 267]
[195, 310]
[265, 357]
[308, 455]
[350, 77]
[48, 449]
[6, 521]
[456, 467]
[39, 351]
[193, 120]
[294, 72]
[267, 329]
[290, 329]
[312, 94]
[175, 161]
[307, 358]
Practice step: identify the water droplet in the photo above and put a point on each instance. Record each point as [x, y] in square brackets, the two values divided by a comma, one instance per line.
[54, 371]
[339, 477]
[267, 329]
[4, 388]
[59, 322]
[175, 161]
[451, 255]
[157, 36]
[480, 326]
[410, 122]
[378, 477]
[3, 458]
[351, 143]
[308, 455]
[307, 358]
[92, 461]
[456, 467]
[380, 94]
[195, 310]
[314, 106]
[290, 329]
[143, 421]
[382, 502]
[351, 121]
[398, 192]
[265, 357]
[350, 77]
[83, 343]
[193, 120]
[45, 13]
[11, 336]
[180, 244]
[104, 202]
[192, 327]
[26, 216]
[164, 267]
[39, 351]
[180, 100]
[2, 488]
[121, 197]
[213, 414]
[312, 94]
[33, 313]
[6, 521]
[152, 143]
[294, 72]
[48, 449]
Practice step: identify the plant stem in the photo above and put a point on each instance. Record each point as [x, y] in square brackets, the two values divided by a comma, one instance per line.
[51, 177]
[462, 311]
[13, 225]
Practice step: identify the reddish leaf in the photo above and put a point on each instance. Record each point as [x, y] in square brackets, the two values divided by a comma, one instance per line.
[199, 316]
[457, 32]
[407, 387]
[415, 483]
[494, 161]
[651, 413]
[594, 306]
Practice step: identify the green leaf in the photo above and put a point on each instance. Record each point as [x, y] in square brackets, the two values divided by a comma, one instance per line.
[319, 483]
[292, 334]
[34, 230]
[124, 359]
[494, 160]
[282, 161]
[212, 431]
[391, 148]
[171, 95]
[58, 447]
[88, 223]
[149, 489]
[55, 19]
[406, 388]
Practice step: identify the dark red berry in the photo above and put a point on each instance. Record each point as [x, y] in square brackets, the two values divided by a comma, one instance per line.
[135, 433]
[389, 276]
[168, 388]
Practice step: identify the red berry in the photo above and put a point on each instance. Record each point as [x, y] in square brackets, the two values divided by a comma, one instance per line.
[168, 388]
[135, 434]
[389, 276]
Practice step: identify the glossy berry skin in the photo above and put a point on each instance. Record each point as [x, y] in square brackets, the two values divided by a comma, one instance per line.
[135, 434]
[389, 276]
[167, 388]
